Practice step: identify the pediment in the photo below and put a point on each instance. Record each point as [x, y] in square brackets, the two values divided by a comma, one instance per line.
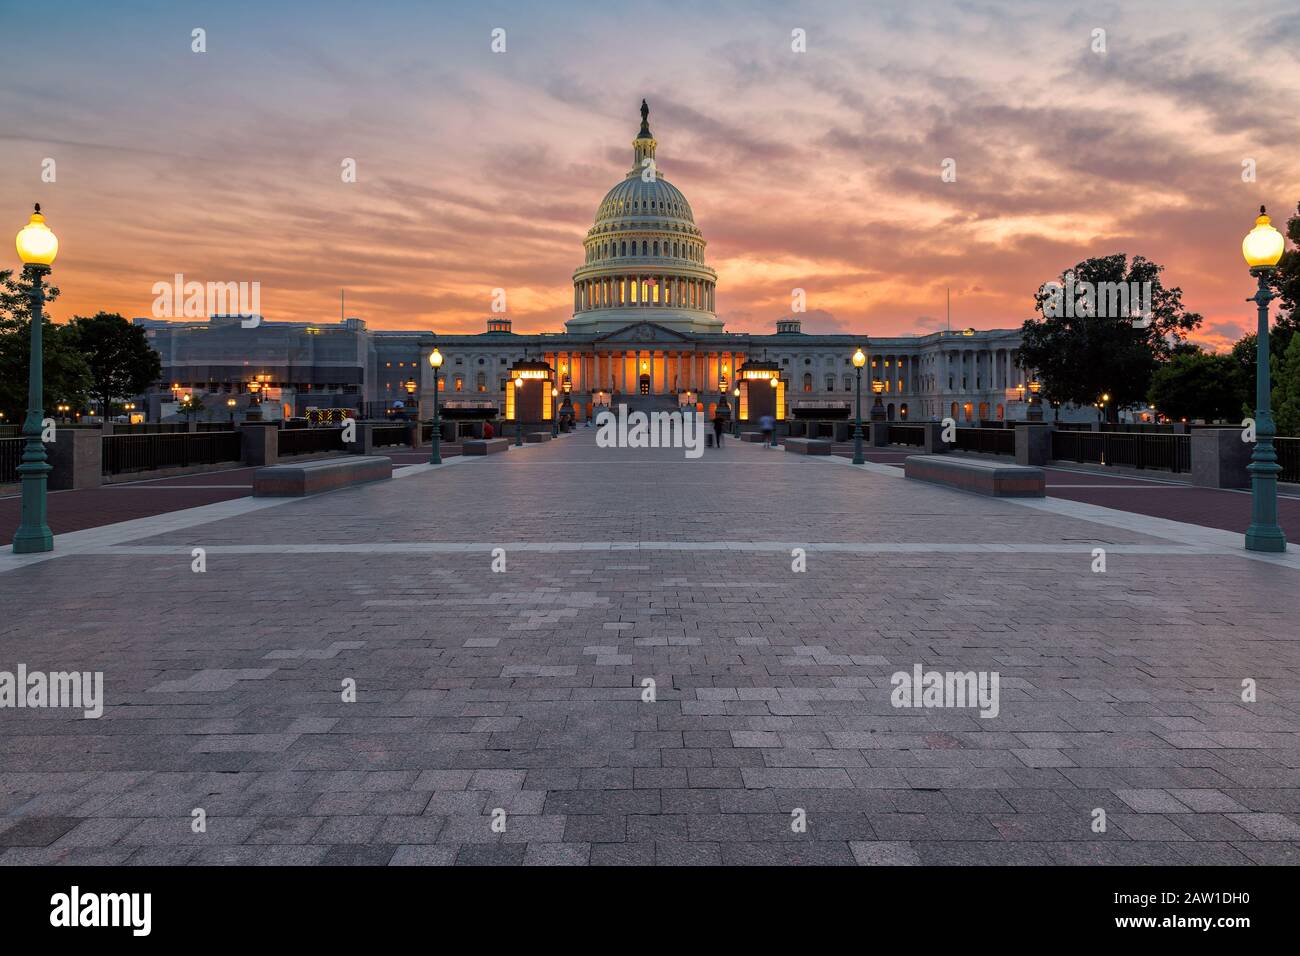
[643, 333]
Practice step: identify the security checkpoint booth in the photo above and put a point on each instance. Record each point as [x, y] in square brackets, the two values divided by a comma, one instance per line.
[762, 392]
[530, 402]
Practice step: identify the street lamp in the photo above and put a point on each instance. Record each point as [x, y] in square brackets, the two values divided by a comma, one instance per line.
[254, 413]
[555, 412]
[735, 393]
[1262, 248]
[1035, 413]
[435, 433]
[878, 406]
[37, 247]
[859, 360]
[519, 425]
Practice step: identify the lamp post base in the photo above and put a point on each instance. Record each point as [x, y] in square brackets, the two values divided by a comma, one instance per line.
[1269, 540]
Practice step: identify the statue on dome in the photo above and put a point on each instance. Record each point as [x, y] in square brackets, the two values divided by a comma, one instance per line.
[645, 119]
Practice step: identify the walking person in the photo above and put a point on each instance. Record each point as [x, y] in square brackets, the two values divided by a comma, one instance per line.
[719, 426]
[767, 425]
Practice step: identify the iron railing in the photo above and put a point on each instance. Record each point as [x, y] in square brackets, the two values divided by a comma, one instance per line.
[130, 453]
[152, 428]
[1159, 450]
[988, 441]
[907, 435]
[309, 441]
[1288, 456]
[11, 456]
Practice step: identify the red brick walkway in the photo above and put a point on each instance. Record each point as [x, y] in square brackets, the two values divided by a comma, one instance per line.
[109, 504]
[1158, 497]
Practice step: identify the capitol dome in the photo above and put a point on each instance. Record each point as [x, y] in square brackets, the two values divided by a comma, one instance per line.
[644, 255]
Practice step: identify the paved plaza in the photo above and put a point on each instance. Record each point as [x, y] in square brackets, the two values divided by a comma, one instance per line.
[501, 713]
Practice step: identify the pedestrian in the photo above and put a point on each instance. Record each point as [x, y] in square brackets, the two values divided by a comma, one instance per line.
[719, 425]
[767, 425]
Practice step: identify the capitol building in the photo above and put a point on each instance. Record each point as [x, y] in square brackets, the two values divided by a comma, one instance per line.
[644, 331]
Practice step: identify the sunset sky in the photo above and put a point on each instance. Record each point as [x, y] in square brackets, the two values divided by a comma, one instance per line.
[817, 170]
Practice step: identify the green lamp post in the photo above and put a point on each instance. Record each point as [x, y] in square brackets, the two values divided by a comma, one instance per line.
[37, 247]
[1262, 249]
[735, 393]
[435, 433]
[859, 360]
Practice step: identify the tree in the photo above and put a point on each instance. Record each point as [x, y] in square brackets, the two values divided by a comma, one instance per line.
[1286, 280]
[1086, 349]
[1286, 391]
[65, 377]
[1198, 385]
[122, 362]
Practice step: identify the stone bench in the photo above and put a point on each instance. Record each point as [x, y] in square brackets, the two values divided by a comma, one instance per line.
[756, 437]
[981, 477]
[313, 477]
[808, 446]
[533, 438]
[484, 446]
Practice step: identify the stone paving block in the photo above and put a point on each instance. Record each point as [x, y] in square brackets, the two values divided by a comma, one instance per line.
[773, 690]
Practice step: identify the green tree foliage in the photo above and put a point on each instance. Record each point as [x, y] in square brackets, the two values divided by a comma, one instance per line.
[66, 376]
[1286, 391]
[1198, 385]
[122, 363]
[1080, 357]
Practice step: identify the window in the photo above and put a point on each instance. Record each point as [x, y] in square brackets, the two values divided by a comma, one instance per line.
[460, 383]
[807, 361]
[848, 383]
[830, 383]
[480, 381]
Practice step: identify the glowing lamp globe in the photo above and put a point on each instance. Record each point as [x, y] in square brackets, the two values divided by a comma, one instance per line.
[1263, 245]
[859, 359]
[435, 359]
[772, 381]
[37, 245]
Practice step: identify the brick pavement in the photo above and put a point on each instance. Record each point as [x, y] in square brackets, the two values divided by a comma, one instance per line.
[521, 691]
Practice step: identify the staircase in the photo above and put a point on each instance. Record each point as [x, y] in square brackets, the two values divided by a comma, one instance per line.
[646, 403]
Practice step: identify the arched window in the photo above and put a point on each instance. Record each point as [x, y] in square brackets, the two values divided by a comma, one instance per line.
[624, 252]
[807, 382]
[480, 382]
[656, 247]
[644, 248]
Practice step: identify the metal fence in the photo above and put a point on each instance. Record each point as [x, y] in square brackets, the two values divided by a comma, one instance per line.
[151, 428]
[989, 441]
[907, 435]
[309, 441]
[11, 456]
[1130, 449]
[1288, 456]
[124, 454]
